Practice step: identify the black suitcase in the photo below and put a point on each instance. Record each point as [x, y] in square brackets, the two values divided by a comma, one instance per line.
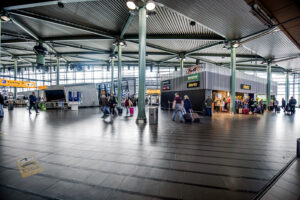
[187, 117]
[120, 111]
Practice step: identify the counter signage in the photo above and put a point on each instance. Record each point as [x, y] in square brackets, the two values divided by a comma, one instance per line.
[245, 87]
[21, 84]
[42, 87]
[193, 77]
[193, 70]
[153, 92]
[166, 85]
[193, 84]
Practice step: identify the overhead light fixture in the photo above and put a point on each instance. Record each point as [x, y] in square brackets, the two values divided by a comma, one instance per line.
[5, 17]
[131, 4]
[235, 44]
[150, 5]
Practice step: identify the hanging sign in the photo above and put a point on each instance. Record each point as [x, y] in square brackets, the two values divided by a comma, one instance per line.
[193, 70]
[166, 85]
[43, 87]
[21, 84]
[245, 87]
[193, 84]
[152, 91]
[193, 77]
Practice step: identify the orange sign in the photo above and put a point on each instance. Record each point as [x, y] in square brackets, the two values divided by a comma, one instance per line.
[43, 87]
[152, 91]
[21, 84]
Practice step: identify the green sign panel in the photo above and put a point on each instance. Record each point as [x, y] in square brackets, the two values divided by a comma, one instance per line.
[193, 77]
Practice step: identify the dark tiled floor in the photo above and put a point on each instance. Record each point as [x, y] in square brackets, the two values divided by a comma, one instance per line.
[87, 157]
[288, 186]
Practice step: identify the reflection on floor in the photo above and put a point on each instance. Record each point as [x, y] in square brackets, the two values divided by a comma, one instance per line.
[84, 156]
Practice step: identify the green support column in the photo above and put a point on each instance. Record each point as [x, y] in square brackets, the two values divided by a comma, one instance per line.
[119, 73]
[50, 75]
[269, 77]
[287, 87]
[181, 66]
[57, 70]
[112, 75]
[232, 85]
[299, 90]
[141, 118]
[15, 76]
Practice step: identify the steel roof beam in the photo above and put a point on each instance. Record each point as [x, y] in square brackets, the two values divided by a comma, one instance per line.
[203, 47]
[14, 41]
[34, 36]
[64, 23]
[80, 47]
[10, 5]
[155, 47]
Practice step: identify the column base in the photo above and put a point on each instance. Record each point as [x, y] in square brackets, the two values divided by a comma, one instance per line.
[141, 121]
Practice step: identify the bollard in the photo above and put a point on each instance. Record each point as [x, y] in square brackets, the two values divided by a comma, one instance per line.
[298, 148]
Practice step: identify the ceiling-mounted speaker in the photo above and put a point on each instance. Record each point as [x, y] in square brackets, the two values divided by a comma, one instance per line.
[40, 52]
[176, 69]
[197, 62]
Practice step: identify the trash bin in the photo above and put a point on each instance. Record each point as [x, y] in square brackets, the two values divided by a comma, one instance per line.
[153, 115]
[298, 148]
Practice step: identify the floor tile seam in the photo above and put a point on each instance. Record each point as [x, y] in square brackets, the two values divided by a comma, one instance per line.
[81, 142]
[28, 192]
[96, 186]
[255, 141]
[144, 178]
[54, 153]
[176, 148]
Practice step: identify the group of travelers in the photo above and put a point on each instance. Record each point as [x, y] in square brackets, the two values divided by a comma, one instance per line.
[109, 104]
[290, 106]
[181, 106]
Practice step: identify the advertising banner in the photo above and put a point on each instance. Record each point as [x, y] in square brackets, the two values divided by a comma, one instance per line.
[21, 84]
[193, 77]
[193, 70]
[193, 84]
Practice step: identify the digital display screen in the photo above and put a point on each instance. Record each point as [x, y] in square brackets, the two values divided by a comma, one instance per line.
[54, 95]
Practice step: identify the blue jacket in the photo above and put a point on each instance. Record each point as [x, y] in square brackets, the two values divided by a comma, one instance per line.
[32, 99]
[187, 105]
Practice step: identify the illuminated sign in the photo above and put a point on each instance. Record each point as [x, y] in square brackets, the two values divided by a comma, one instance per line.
[193, 77]
[151, 91]
[193, 84]
[21, 84]
[245, 87]
[43, 87]
[166, 85]
[193, 70]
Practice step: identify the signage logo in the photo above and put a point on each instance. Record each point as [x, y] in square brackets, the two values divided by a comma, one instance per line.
[245, 87]
[193, 70]
[193, 77]
[3, 81]
[193, 84]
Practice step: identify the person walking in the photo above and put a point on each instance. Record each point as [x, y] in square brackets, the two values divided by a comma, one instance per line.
[276, 105]
[177, 107]
[127, 104]
[1, 106]
[292, 103]
[104, 105]
[208, 103]
[187, 104]
[283, 104]
[32, 103]
[112, 103]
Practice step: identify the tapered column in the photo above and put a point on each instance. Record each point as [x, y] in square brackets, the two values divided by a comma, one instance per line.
[141, 118]
[287, 87]
[119, 73]
[15, 75]
[269, 77]
[232, 81]
[57, 70]
[112, 75]
[181, 66]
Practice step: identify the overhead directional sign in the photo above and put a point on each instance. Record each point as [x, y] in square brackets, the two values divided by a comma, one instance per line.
[21, 84]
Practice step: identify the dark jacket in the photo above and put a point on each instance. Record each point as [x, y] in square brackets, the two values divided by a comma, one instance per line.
[283, 103]
[104, 101]
[1, 99]
[112, 101]
[32, 100]
[293, 102]
[187, 105]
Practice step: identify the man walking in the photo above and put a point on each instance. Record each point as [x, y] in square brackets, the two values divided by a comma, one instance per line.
[32, 103]
[1, 106]
[208, 103]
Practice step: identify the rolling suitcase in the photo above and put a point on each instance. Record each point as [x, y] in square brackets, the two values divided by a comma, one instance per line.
[246, 111]
[196, 117]
[131, 110]
[187, 117]
[240, 111]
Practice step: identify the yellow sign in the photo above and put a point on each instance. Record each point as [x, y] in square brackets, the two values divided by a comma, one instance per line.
[21, 84]
[43, 87]
[29, 166]
[151, 91]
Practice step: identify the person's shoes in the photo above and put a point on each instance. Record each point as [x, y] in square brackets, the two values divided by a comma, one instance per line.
[173, 120]
[30, 113]
[37, 113]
